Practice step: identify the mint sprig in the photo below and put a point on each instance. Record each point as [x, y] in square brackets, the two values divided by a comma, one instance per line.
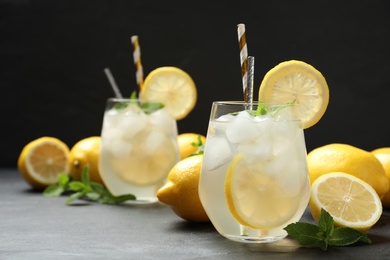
[324, 234]
[84, 189]
[147, 107]
[200, 145]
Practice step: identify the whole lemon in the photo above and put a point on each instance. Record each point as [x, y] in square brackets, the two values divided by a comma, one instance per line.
[188, 143]
[181, 190]
[383, 155]
[86, 151]
[349, 159]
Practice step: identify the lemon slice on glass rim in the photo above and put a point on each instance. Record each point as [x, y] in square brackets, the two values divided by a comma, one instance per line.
[349, 200]
[173, 87]
[300, 82]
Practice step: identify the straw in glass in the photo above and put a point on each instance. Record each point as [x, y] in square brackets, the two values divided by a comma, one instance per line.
[249, 88]
[243, 56]
[112, 82]
[137, 61]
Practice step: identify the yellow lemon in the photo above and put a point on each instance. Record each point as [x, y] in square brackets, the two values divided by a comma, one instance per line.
[86, 151]
[383, 155]
[257, 200]
[173, 87]
[300, 82]
[42, 160]
[181, 190]
[349, 159]
[349, 200]
[186, 143]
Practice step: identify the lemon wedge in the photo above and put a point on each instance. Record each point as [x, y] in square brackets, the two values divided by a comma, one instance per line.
[42, 160]
[257, 200]
[299, 81]
[351, 201]
[173, 87]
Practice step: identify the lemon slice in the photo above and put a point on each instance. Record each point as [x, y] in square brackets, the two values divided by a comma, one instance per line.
[173, 87]
[257, 200]
[299, 81]
[351, 201]
[42, 160]
[152, 156]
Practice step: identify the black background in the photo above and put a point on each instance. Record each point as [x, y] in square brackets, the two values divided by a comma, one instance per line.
[52, 56]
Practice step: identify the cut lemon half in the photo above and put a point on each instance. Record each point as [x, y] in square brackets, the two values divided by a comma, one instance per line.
[300, 82]
[42, 160]
[173, 87]
[351, 201]
[152, 156]
[257, 200]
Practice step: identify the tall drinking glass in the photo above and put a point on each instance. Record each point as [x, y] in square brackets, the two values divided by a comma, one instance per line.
[254, 179]
[139, 147]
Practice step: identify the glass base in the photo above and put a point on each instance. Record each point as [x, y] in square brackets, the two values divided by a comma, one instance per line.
[255, 239]
[142, 201]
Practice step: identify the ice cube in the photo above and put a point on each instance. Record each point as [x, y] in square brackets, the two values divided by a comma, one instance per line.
[217, 152]
[153, 141]
[242, 129]
[119, 148]
[225, 118]
[287, 129]
[258, 151]
[132, 123]
[164, 121]
[265, 124]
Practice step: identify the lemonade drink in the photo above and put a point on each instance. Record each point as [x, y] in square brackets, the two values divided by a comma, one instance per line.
[254, 179]
[139, 147]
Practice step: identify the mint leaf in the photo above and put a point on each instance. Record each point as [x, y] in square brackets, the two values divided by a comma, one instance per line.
[85, 175]
[347, 236]
[77, 186]
[199, 145]
[84, 189]
[63, 179]
[326, 224]
[324, 234]
[306, 234]
[53, 191]
[74, 196]
[93, 195]
[150, 107]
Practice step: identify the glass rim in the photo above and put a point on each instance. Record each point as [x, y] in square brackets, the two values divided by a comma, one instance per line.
[253, 103]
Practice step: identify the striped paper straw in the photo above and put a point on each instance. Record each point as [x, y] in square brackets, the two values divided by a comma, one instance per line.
[137, 61]
[243, 56]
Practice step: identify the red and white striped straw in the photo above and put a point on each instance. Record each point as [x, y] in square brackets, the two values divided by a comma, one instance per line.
[243, 56]
[137, 61]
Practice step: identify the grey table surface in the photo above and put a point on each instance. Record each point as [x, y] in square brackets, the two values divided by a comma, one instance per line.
[35, 227]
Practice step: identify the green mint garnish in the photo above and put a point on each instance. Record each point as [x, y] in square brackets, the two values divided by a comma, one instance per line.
[199, 145]
[84, 189]
[147, 107]
[262, 109]
[324, 234]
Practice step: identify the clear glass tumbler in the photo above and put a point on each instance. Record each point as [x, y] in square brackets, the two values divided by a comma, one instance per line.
[139, 147]
[254, 179]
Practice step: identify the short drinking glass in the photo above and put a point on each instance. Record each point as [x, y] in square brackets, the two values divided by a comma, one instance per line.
[254, 179]
[139, 147]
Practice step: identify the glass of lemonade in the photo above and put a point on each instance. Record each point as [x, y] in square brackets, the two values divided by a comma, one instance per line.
[139, 147]
[254, 179]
